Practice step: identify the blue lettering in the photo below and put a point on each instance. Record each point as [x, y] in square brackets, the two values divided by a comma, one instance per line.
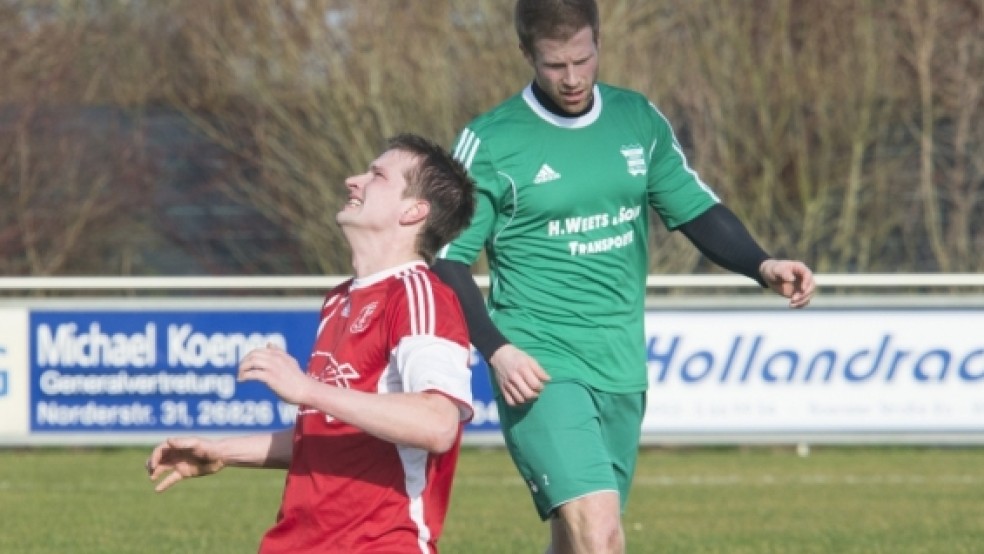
[941, 356]
[731, 358]
[670, 358]
[708, 361]
[751, 358]
[664, 358]
[899, 355]
[849, 373]
[4, 384]
[828, 356]
[791, 360]
[965, 368]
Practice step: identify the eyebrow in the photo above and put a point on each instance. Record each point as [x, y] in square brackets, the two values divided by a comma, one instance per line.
[376, 168]
[576, 61]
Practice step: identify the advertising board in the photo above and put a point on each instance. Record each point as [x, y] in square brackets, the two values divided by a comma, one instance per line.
[105, 376]
[815, 371]
[14, 377]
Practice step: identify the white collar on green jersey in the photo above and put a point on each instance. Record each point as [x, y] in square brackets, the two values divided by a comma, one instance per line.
[566, 122]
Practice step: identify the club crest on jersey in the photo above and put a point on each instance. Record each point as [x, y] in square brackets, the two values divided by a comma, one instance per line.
[363, 319]
[635, 158]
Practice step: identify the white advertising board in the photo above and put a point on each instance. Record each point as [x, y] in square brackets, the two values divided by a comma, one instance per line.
[797, 373]
[14, 378]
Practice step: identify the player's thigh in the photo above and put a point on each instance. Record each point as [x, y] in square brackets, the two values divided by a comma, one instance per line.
[621, 424]
[560, 447]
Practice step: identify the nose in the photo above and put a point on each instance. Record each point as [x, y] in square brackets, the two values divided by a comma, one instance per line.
[570, 75]
[352, 183]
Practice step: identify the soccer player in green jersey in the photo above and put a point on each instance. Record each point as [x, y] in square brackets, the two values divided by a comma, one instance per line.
[568, 171]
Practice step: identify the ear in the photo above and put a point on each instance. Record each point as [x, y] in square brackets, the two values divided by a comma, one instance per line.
[416, 213]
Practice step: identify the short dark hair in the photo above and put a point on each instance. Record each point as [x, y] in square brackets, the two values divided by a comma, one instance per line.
[443, 183]
[553, 19]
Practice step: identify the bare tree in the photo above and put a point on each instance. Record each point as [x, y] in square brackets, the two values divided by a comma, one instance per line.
[66, 175]
[846, 132]
[944, 55]
[793, 111]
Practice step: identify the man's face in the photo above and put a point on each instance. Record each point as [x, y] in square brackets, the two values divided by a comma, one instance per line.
[375, 198]
[567, 69]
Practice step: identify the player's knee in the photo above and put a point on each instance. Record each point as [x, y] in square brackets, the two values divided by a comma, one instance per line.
[607, 537]
[592, 526]
[595, 539]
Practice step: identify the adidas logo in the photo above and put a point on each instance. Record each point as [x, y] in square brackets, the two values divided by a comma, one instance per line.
[545, 175]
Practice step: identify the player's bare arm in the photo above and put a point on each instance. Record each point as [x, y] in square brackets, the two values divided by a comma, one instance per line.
[425, 420]
[178, 458]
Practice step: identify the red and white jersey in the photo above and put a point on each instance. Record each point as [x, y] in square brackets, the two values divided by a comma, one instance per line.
[348, 491]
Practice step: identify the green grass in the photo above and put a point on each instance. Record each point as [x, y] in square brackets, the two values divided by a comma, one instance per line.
[727, 500]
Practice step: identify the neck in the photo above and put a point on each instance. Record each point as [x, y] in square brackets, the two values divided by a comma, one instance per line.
[366, 266]
[373, 256]
[548, 104]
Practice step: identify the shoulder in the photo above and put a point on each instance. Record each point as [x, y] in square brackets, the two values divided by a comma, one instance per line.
[626, 100]
[421, 304]
[502, 117]
[494, 135]
[336, 295]
[624, 97]
[635, 108]
[420, 288]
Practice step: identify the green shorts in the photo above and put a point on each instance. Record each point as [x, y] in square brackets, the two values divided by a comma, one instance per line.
[574, 441]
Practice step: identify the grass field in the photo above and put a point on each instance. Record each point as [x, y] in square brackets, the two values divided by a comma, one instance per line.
[728, 500]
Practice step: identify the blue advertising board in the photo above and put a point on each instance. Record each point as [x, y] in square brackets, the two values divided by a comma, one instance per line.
[170, 371]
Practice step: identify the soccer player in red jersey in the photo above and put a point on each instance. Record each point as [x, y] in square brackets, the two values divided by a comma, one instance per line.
[371, 456]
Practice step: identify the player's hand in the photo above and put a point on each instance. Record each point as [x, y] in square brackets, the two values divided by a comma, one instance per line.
[182, 457]
[279, 370]
[520, 377]
[791, 279]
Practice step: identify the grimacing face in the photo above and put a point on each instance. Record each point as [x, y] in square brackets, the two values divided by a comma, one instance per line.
[376, 198]
[567, 69]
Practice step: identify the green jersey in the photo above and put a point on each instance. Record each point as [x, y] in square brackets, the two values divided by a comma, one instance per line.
[563, 214]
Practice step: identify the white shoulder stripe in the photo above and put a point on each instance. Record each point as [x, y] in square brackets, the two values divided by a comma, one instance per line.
[420, 304]
[430, 324]
[463, 141]
[465, 151]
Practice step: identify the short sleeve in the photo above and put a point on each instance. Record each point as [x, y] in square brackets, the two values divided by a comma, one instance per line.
[433, 364]
[428, 338]
[474, 154]
[674, 189]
